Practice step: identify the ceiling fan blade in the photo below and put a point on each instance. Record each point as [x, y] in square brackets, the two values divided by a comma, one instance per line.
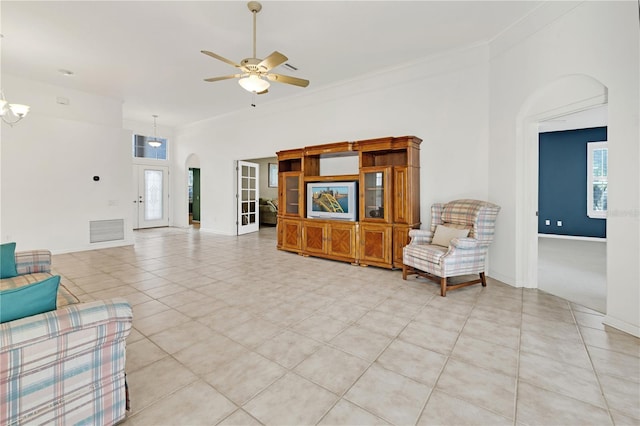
[288, 80]
[272, 61]
[224, 77]
[220, 58]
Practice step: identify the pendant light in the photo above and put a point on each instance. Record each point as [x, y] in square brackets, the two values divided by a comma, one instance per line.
[154, 143]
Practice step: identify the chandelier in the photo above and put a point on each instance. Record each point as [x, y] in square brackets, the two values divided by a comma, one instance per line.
[12, 113]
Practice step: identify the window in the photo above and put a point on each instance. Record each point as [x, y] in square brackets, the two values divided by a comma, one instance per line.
[597, 172]
[142, 149]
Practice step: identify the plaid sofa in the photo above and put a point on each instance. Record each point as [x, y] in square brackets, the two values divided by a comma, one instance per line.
[34, 266]
[463, 256]
[65, 366]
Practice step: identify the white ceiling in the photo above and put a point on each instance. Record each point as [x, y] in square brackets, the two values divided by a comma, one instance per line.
[147, 53]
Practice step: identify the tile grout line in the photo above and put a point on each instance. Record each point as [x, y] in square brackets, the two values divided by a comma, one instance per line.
[341, 396]
[371, 363]
[516, 389]
[593, 367]
[446, 362]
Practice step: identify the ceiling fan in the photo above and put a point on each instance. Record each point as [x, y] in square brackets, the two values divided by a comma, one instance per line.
[255, 75]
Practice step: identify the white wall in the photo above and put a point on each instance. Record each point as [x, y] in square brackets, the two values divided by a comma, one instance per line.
[599, 40]
[48, 163]
[443, 100]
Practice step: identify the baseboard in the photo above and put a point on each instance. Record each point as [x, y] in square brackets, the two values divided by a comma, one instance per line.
[632, 329]
[500, 277]
[95, 246]
[215, 231]
[573, 237]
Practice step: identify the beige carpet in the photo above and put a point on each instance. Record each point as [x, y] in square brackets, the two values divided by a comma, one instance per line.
[575, 270]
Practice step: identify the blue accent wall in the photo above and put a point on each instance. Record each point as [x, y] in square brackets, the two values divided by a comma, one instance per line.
[562, 183]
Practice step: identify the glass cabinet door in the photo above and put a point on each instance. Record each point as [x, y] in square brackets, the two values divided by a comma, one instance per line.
[292, 193]
[374, 200]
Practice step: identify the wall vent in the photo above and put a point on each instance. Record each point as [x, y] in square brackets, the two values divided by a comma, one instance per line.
[106, 230]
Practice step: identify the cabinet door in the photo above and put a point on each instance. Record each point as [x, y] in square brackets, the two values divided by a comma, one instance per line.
[279, 229]
[375, 197]
[342, 240]
[314, 237]
[375, 244]
[291, 194]
[291, 235]
[400, 239]
[400, 195]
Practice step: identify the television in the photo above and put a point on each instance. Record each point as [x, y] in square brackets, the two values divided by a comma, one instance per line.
[332, 200]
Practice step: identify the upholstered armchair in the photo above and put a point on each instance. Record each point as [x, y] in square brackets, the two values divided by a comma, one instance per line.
[455, 245]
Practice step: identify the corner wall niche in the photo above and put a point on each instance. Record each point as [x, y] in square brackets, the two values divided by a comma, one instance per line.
[387, 176]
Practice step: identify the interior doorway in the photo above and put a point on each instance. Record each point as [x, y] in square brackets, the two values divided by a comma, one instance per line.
[561, 97]
[193, 183]
[268, 190]
[194, 197]
[571, 240]
[248, 193]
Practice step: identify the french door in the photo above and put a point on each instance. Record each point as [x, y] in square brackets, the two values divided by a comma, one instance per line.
[248, 220]
[151, 196]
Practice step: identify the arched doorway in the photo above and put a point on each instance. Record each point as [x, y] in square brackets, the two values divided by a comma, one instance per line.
[564, 96]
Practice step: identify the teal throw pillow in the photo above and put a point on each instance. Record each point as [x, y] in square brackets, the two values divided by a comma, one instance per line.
[8, 260]
[29, 300]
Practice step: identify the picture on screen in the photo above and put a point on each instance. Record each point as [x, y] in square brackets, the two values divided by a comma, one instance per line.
[330, 198]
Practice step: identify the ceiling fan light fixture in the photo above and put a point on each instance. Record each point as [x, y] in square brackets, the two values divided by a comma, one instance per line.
[254, 76]
[254, 83]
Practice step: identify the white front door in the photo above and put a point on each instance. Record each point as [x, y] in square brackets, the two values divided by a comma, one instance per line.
[151, 196]
[248, 220]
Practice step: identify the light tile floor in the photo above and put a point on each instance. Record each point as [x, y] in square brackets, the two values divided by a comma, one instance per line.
[230, 331]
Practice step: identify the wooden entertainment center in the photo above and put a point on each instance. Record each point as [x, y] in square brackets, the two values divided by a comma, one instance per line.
[388, 194]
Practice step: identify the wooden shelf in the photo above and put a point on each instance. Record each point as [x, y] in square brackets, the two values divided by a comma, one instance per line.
[334, 178]
[373, 240]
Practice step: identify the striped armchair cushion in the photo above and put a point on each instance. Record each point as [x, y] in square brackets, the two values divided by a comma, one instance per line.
[33, 261]
[65, 297]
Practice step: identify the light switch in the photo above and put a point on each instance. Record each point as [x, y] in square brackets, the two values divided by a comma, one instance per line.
[559, 223]
[547, 222]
